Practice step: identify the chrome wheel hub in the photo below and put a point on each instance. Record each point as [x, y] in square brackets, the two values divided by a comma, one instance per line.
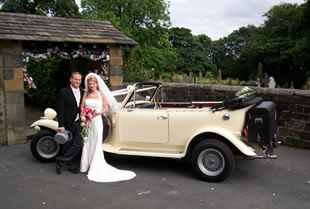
[47, 147]
[211, 162]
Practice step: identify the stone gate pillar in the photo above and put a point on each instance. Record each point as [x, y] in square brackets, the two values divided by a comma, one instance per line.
[116, 65]
[12, 108]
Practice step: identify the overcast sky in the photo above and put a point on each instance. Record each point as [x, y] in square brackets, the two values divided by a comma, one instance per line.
[219, 18]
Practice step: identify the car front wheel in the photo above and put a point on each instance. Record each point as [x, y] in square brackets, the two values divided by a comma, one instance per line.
[43, 146]
[213, 160]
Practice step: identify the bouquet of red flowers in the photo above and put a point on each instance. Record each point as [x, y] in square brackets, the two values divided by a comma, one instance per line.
[87, 115]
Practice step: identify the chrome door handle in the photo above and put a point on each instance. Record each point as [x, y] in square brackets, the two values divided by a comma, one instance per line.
[162, 117]
[129, 110]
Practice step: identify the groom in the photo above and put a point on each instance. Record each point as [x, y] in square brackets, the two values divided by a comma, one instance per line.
[68, 109]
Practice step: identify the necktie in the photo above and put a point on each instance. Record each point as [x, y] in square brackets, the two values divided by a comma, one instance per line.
[76, 93]
[77, 96]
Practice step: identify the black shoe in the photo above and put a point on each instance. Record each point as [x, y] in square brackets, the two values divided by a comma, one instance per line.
[74, 170]
[58, 168]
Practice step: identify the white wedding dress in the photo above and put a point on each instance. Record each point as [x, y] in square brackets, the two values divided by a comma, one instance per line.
[92, 159]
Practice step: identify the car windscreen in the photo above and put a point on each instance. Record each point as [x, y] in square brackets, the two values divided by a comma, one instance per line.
[143, 92]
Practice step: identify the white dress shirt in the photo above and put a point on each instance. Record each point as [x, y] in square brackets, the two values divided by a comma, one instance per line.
[77, 94]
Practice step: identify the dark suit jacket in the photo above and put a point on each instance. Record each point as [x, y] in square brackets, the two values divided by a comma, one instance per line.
[66, 108]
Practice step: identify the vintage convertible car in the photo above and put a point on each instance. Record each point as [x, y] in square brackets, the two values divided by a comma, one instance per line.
[208, 134]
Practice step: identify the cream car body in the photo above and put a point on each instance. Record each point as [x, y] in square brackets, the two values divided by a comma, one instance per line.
[167, 132]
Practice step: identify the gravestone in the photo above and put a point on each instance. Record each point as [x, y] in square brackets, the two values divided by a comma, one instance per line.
[229, 81]
[238, 81]
[185, 78]
[265, 80]
[219, 76]
[259, 72]
[174, 76]
[308, 84]
[190, 79]
[272, 83]
[258, 82]
[200, 75]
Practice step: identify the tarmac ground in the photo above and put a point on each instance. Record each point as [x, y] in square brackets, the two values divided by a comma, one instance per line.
[283, 183]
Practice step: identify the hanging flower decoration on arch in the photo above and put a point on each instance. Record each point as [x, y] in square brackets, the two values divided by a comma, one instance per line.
[81, 52]
[28, 79]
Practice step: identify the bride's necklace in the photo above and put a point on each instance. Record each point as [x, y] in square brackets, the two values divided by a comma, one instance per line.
[93, 94]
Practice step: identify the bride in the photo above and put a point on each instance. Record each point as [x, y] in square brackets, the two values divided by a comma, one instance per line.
[99, 97]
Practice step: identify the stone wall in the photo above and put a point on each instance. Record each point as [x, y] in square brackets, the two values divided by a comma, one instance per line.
[12, 110]
[116, 65]
[293, 106]
[2, 124]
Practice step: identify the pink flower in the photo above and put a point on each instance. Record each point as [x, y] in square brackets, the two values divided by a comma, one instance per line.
[83, 118]
[90, 115]
[87, 114]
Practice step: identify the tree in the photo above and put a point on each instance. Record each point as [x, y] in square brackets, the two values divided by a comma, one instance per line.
[57, 8]
[192, 52]
[280, 37]
[144, 21]
[301, 32]
[230, 53]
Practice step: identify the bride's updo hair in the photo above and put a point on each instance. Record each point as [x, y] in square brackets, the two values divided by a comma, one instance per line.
[92, 78]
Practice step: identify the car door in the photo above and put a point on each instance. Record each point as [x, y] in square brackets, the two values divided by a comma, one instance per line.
[143, 125]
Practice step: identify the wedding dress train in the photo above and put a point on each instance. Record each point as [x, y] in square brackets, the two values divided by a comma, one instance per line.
[92, 159]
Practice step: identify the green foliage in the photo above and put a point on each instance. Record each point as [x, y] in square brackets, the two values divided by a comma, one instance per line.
[166, 77]
[229, 53]
[227, 81]
[192, 52]
[49, 75]
[57, 8]
[147, 63]
[282, 44]
[147, 23]
[209, 75]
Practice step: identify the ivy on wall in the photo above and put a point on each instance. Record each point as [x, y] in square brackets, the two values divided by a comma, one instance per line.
[50, 75]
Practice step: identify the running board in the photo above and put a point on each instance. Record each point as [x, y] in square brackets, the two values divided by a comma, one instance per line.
[139, 152]
[149, 151]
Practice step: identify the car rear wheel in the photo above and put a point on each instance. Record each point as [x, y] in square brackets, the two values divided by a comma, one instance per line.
[43, 146]
[213, 160]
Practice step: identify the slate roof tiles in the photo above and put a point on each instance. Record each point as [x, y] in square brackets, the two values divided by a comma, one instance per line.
[15, 26]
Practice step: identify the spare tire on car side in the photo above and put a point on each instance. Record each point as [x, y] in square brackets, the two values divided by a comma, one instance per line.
[43, 146]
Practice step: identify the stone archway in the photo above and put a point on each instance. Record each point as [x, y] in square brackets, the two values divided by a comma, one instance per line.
[12, 110]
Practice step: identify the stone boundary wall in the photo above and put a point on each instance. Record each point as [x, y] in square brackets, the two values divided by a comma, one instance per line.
[293, 106]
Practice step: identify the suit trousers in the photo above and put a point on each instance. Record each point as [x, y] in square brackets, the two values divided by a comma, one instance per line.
[71, 151]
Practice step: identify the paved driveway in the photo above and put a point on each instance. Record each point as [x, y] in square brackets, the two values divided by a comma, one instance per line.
[160, 183]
